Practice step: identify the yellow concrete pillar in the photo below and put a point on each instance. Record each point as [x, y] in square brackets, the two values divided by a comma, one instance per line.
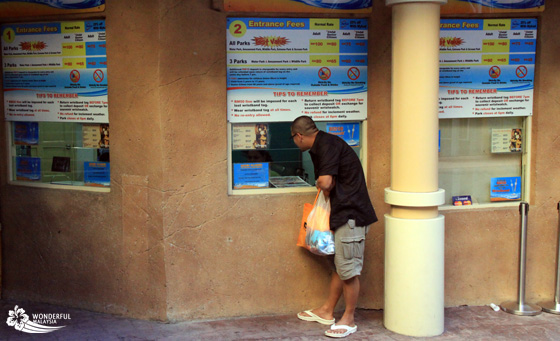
[414, 231]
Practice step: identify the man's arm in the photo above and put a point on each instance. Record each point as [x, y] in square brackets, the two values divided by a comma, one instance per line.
[325, 183]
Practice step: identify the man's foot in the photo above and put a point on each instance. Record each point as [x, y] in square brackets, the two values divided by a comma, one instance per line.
[316, 316]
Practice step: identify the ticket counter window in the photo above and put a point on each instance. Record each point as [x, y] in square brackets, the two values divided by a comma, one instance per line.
[264, 158]
[484, 162]
[60, 155]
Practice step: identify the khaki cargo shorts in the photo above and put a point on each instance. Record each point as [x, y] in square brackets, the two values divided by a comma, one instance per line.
[349, 243]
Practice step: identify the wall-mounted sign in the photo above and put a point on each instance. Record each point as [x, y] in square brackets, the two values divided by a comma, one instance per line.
[307, 6]
[28, 8]
[279, 69]
[487, 67]
[55, 72]
[492, 6]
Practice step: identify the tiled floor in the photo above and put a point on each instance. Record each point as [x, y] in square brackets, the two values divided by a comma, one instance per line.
[461, 323]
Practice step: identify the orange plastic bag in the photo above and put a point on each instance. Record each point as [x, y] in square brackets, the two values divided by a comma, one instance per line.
[307, 208]
[319, 238]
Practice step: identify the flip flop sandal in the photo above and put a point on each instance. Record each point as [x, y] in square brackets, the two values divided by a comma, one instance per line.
[348, 331]
[314, 318]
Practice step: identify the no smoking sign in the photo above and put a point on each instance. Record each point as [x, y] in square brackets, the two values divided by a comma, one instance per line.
[353, 73]
[98, 75]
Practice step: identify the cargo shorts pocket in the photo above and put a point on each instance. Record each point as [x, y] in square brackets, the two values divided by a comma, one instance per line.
[353, 247]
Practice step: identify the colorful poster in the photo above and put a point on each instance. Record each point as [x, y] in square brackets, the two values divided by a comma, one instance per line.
[507, 141]
[28, 168]
[250, 175]
[28, 8]
[279, 69]
[26, 133]
[487, 67]
[306, 6]
[505, 189]
[492, 6]
[250, 136]
[349, 132]
[55, 72]
[97, 174]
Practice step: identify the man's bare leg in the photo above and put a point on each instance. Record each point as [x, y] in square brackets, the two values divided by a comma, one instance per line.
[335, 291]
[351, 291]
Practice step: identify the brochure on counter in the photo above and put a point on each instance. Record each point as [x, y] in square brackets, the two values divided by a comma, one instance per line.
[288, 181]
[505, 188]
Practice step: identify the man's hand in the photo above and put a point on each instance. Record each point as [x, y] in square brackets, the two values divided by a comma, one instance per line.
[325, 183]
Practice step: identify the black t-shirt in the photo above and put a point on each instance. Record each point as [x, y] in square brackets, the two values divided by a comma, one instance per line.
[349, 198]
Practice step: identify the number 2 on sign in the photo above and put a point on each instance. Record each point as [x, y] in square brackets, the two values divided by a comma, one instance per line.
[237, 28]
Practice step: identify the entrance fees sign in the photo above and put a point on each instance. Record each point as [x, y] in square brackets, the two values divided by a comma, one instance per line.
[55, 72]
[27, 8]
[487, 67]
[308, 6]
[492, 6]
[279, 69]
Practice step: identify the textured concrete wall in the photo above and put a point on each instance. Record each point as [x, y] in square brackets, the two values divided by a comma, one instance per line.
[169, 243]
[546, 165]
[100, 251]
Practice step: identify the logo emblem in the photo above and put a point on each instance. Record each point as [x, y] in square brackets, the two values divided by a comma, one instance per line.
[20, 321]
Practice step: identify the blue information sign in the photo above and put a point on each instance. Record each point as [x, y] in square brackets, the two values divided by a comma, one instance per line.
[250, 175]
[505, 189]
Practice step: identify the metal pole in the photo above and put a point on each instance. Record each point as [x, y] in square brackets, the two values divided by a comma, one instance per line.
[519, 307]
[553, 307]
[523, 211]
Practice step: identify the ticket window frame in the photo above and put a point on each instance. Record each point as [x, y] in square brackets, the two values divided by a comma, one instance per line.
[290, 190]
[36, 184]
[525, 173]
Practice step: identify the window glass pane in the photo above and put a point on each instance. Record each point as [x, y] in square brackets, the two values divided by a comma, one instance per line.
[265, 156]
[61, 153]
[474, 151]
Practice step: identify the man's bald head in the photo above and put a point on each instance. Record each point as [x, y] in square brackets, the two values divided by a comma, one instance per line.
[304, 125]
